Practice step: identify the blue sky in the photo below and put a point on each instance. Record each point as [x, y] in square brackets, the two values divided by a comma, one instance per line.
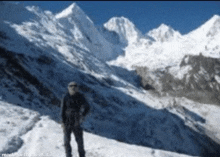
[183, 16]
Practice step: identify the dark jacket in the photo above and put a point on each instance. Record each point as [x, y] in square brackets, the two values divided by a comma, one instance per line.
[74, 108]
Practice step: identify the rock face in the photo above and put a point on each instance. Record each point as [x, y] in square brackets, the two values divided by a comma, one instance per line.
[197, 77]
[21, 87]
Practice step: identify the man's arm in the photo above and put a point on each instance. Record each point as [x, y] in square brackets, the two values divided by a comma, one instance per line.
[86, 106]
[63, 109]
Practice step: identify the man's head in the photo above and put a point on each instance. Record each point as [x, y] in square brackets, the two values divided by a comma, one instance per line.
[72, 88]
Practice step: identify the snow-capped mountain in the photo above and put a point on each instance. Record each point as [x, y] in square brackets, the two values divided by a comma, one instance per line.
[171, 52]
[207, 37]
[129, 36]
[164, 33]
[74, 20]
[126, 30]
[163, 59]
[41, 53]
[214, 30]
[209, 28]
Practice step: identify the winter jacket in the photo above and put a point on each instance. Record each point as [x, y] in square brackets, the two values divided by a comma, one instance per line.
[74, 108]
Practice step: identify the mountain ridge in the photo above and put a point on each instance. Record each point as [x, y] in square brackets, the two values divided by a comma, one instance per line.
[205, 28]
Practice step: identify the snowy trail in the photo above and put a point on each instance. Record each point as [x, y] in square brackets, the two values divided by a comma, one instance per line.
[15, 122]
[25, 133]
[46, 139]
[43, 139]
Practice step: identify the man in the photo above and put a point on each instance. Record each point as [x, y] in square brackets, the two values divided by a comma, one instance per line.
[74, 108]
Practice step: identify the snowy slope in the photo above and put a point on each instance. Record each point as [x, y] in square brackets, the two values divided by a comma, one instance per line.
[74, 20]
[39, 57]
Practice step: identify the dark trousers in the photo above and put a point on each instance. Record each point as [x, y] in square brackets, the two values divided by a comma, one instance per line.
[78, 133]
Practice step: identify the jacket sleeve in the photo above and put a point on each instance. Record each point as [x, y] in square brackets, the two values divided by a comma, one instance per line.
[63, 109]
[86, 107]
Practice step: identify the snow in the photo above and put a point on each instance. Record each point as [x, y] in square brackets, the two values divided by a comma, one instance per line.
[15, 121]
[25, 132]
[208, 112]
[75, 20]
[203, 30]
[169, 46]
[66, 12]
[164, 33]
[127, 31]
[217, 78]
[74, 49]
[35, 135]
[180, 72]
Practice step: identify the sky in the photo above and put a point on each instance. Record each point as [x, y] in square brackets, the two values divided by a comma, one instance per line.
[183, 16]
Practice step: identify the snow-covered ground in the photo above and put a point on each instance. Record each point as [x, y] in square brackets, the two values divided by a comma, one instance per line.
[24, 132]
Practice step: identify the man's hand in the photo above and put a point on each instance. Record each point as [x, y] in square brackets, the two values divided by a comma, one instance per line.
[60, 121]
[62, 125]
[81, 120]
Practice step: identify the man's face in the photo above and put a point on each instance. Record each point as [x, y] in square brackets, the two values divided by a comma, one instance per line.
[72, 89]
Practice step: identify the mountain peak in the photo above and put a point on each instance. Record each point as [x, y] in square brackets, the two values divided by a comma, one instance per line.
[214, 30]
[209, 28]
[216, 16]
[121, 19]
[164, 33]
[68, 11]
[126, 30]
[164, 27]
[210, 23]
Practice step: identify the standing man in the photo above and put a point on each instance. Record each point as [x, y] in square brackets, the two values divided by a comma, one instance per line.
[74, 108]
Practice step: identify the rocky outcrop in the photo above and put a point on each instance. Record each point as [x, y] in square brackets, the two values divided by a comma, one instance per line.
[197, 77]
